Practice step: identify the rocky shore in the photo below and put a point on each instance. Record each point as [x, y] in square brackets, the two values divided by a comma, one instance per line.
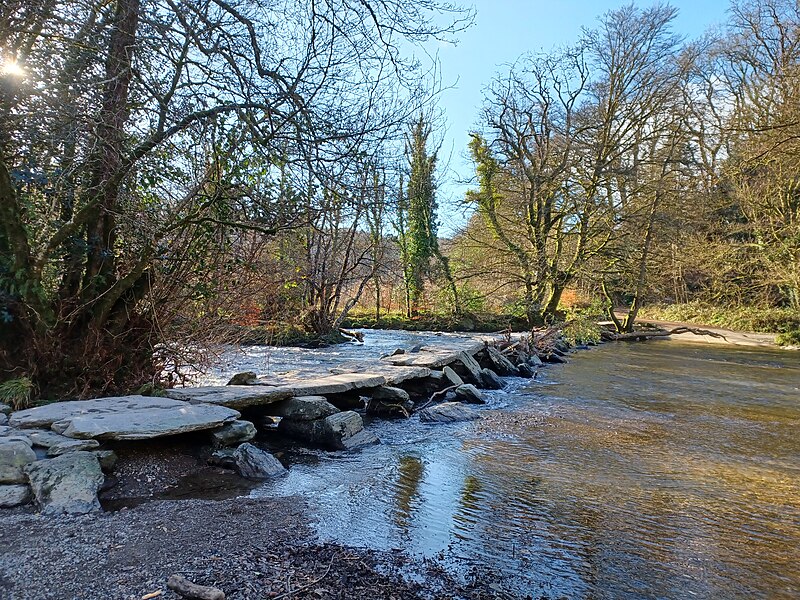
[61, 464]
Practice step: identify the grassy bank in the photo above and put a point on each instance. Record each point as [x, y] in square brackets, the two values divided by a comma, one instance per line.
[481, 323]
[783, 322]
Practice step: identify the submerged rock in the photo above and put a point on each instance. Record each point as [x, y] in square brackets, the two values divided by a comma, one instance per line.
[234, 433]
[14, 495]
[67, 484]
[470, 394]
[254, 463]
[304, 408]
[15, 455]
[491, 380]
[525, 370]
[448, 412]
[244, 378]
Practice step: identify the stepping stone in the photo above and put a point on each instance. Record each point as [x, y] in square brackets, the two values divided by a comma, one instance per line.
[304, 408]
[125, 418]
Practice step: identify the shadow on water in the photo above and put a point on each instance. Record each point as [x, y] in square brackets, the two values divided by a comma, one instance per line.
[646, 470]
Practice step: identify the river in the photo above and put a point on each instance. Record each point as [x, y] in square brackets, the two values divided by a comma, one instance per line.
[660, 470]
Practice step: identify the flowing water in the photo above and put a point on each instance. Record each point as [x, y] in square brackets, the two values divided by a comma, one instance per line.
[657, 470]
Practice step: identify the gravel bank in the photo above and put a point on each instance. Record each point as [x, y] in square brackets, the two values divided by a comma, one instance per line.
[251, 549]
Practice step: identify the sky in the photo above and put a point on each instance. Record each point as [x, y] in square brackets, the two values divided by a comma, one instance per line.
[503, 31]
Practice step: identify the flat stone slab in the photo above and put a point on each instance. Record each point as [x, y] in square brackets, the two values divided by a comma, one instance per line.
[434, 357]
[125, 418]
[392, 373]
[233, 396]
[244, 396]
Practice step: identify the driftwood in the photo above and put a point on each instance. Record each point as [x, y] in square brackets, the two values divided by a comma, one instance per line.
[352, 335]
[193, 591]
[436, 395]
[639, 336]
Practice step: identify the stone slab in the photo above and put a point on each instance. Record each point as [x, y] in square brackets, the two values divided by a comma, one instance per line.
[434, 357]
[149, 423]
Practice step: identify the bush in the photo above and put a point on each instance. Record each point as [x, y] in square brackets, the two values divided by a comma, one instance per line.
[581, 330]
[790, 338]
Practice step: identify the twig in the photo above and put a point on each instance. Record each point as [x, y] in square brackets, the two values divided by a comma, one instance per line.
[435, 395]
[309, 584]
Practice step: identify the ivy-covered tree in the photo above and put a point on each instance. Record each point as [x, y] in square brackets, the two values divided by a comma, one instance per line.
[422, 227]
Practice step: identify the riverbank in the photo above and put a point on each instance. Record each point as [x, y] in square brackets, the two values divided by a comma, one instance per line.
[252, 549]
[170, 448]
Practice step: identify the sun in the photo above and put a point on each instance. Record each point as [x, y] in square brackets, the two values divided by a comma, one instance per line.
[12, 68]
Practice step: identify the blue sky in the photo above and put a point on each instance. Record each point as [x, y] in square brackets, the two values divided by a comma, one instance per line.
[504, 30]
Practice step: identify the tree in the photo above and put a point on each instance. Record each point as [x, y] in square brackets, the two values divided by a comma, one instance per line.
[144, 144]
[421, 219]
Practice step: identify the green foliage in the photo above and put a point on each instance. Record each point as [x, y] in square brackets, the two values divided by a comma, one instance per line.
[790, 338]
[422, 237]
[744, 318]
[16, 392]
[581, 330]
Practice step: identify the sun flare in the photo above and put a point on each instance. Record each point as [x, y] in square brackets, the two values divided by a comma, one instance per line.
[11, 68]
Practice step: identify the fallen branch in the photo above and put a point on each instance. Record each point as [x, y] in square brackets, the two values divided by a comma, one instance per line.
[436, 395]
[639, 336]
[309, 584]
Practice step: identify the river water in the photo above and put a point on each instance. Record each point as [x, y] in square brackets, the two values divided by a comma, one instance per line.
[658, 470]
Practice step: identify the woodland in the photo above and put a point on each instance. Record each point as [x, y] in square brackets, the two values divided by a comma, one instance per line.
[176, 174]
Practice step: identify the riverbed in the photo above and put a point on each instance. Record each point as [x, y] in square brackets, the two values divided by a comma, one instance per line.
[660, 469]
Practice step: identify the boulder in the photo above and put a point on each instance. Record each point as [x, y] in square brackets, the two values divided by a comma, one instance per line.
[3, 419]
[468, 368]
[67, 484]
[362, 438]
[491, 380]
[58, 444]
[107, 459]
[9, 434]
[5, 409]
[223, 458]
[304, 408]
[452, 377]
[391, 395]
[234, 433]
[389, 410]
[331, 432]
[254, 463]
[15, 455]
[244, 378]
[554, 358]
[14, 495]
[502, 366]
[535, 361]
[425, 386]
[470, 394]
[448, 412]
[525, 370]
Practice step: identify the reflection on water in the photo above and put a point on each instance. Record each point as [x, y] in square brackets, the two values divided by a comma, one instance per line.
[650, 470]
